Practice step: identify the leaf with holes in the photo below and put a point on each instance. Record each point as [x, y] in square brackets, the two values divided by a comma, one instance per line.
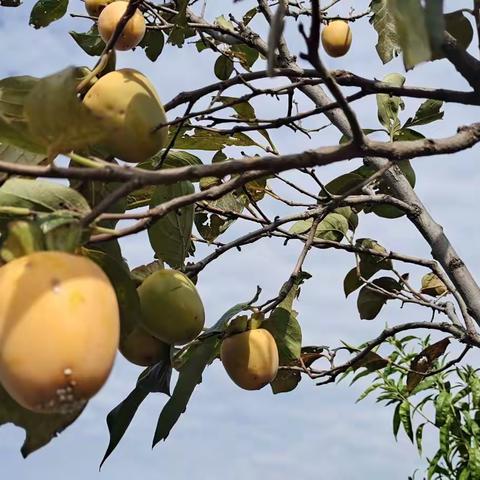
[388, 45]
[424, 362]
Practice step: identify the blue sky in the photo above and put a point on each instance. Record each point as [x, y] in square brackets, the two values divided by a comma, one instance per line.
[227, 432]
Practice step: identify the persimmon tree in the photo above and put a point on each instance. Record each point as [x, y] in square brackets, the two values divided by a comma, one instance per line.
[48, 131]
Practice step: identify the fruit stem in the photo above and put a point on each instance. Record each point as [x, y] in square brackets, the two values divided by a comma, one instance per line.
[96, 71]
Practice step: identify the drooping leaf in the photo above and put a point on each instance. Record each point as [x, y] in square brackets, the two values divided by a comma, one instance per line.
[342, 184]
[95, 191]
[350, 215]
[457, 25]
[428, 112]
[424, 362]
[223, 67]
[170, 235]
[44, 12]
[368, 265]
[246, 55]
[13, 124]
[12, 154]
[372, 361]
[180, 31]
[435, 23]
[412, 33]
[125, 289]
[286, 330]
[333, 227]
[153, 379]
[388, 45]
[90, 42]
[140, 273]
[57, 119]
[370, 300]
[432, 285]
[39, 428]
[42, 196]
[153, 43]
[190, 375]
[389, 106]
[406, 419]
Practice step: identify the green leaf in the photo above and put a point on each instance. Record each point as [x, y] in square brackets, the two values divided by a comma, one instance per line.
[407, 135]
[153, 43]
[419, 437]
[12, 154]
[350, 215]
[301, 227]
[179, 33]
[368, 265]
[223, 67]
[57, 118]
[457, 25]
[244, 110]
[390, 211]
[442, 407]
[428, 112]
[13, 124]
[140, 273]
[90, 42]
[411, 30]
[435, 23]
[396, 420]
[246, 55]
[153, 379]
[371, 301]
[174, 158]
[333, 227]
[40, 428]
[342, 184]
[170, 235]
[125, 289]
[285, 329]
[352, 282]
[190, 376]
[44, 12]
[405, 418]
[247, 17]
[369, 390]
[42, 196]
[119, 419]
[389, 106]
[383, 22]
